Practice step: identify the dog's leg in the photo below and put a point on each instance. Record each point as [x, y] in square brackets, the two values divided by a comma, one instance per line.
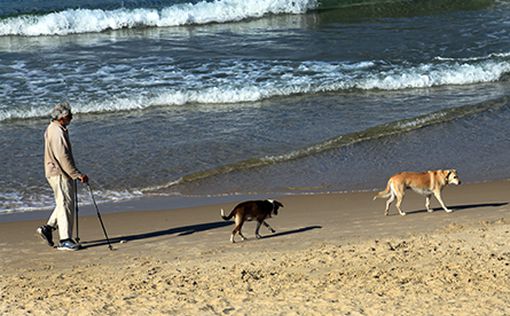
[269, 227]
[437, 194]
[257, 235]
[388, 204]
[233, 235]
[239, 226]
[400, 197]
[242, 236]
[427, 204]
[237, 229]
[258, 227]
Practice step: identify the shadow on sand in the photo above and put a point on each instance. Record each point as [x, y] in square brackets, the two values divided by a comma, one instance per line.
[290, 232]
[179, 231]
[184, 231]
[460, 207]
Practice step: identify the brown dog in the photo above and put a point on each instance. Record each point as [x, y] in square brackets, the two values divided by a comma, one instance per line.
[425, 183]
[252, 210]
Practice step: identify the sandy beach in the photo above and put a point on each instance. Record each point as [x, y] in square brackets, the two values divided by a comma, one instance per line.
[181, 108]
[332, 254]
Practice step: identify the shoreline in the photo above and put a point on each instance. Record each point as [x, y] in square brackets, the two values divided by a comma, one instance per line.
[332, 253]
[353, 215]
[162, 203]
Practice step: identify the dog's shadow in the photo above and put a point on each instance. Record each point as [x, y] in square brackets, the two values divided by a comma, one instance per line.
[290, 232]
[179, 231]
[184, 231]
[461, 207]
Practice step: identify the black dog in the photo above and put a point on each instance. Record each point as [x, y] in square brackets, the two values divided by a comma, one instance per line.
[252, 210]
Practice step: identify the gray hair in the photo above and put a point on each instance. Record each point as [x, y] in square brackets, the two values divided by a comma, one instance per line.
[60, 110]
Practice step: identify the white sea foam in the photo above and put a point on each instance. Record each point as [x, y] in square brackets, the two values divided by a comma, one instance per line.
[239, 82]
[475, 58]
[16, 202]
[429, 75]
[85, 20]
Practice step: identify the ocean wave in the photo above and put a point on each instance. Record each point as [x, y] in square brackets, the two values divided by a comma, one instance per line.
[97, 20]
[369, 134]
[240, 82]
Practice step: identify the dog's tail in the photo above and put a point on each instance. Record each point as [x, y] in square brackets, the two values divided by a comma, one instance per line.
[227, 217]
[384, 194]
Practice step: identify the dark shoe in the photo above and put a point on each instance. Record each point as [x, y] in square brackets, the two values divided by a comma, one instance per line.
[46, 233]
[68, 245]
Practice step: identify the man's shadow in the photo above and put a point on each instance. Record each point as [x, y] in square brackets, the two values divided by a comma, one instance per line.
[181, 231]
[461, 207]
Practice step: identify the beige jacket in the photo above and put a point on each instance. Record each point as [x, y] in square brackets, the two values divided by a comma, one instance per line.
[58, 157]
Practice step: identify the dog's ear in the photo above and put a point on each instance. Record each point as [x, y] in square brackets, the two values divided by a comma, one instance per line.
[450, 172]
[277, 203]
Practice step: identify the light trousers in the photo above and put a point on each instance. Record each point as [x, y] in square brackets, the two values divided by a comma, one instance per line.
[62, 217]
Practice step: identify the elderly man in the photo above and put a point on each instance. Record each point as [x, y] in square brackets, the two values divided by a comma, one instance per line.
[60, 172]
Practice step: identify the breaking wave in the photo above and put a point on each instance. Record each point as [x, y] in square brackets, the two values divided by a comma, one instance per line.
[251, 81]
[74, 21]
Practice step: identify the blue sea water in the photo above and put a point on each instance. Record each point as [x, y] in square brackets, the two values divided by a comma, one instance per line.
[216, 98]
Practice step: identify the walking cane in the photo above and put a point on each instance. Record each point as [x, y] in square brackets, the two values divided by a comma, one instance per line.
[99, 216]
[77, 239]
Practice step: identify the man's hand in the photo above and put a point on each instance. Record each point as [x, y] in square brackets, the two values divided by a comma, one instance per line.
[84, 178]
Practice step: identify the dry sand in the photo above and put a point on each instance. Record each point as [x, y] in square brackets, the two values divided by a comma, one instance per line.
[333, 254]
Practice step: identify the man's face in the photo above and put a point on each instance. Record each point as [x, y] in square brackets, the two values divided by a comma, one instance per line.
[66, 120]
